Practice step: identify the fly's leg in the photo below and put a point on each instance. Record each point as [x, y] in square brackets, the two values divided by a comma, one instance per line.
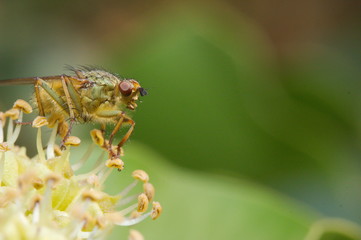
[122, 118]
[45, 86]
[66, 106]
[73, 94]
[69, 97]
[38, 98]
[127, 135]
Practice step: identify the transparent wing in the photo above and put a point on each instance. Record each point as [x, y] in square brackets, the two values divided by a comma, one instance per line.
[30, 80]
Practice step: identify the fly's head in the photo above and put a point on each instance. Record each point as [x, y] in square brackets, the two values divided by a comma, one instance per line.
[130, 89]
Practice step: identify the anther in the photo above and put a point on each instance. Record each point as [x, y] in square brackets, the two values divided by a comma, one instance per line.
[29, 178]
[39, 122]
[115, 163]
[72, 141]
[12, 113]
[2, 119]
[135, 235]
[8, 196]
[23, 106]
[57, 151]
[92, 195]
[53, 179]
[97, 137]
[156, 210]
[4, 147]
[142, 203]
[35, 200]
[140, 175]
[149, 190]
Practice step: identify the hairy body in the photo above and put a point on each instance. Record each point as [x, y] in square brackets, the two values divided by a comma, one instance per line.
[91, 95]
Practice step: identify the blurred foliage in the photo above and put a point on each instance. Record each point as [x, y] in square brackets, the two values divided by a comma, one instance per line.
[237, 89]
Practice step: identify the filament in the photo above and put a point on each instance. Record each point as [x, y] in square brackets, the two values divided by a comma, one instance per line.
[50, 149]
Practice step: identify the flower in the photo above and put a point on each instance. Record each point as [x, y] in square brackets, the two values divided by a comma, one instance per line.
[42, 196]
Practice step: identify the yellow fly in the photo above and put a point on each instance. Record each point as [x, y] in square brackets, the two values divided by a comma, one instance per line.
[90, 95]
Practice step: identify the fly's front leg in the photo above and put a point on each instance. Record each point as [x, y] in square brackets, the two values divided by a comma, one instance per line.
[122, 118]
[127, 135]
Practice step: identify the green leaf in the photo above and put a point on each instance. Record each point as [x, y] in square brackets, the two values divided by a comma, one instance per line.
[205, 206]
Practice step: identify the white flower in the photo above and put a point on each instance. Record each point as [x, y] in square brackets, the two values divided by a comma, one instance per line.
[42, 197]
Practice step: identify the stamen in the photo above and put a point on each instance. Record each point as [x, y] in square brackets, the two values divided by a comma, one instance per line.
[8, 196]
[36, 212]
[156, 210]
[20, 107]
[72, 141]
[12, 113]
[76, 233]
[128, 189]
[23, 106]
[149, 190]
[129, 209]
[135, 235]
[126, 200]
[135, 214]
[38, 122]
[100, 166]
[103, 175]
[45, 206]
[85, 157]
[27, 180]
[50, 153]
[97, 137]
[57, 151]
[93, 233]
[110, 218]
[115, 163]
[39, 147]
[92, 195]
[10, 129]
[2, 124]
[142, 203]
[2, 163]
[140, 175]
[16, 132]
[133, 221]
[4, 147]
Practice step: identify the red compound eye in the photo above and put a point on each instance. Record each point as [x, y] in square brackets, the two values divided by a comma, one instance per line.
[125, 88]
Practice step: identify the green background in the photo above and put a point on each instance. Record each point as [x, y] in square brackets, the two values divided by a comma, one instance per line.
[251, 129]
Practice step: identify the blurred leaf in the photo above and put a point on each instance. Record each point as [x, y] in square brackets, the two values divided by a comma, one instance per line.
[204, 206]
[219, 92]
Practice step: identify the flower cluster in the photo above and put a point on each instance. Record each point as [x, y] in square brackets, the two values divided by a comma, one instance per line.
[42, 197]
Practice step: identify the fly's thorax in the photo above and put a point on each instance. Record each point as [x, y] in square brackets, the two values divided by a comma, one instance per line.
[101, 77]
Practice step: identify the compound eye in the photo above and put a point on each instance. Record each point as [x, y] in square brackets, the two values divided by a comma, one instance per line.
[125, 88]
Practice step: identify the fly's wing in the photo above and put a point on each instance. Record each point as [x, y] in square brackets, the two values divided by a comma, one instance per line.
[31, 80]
